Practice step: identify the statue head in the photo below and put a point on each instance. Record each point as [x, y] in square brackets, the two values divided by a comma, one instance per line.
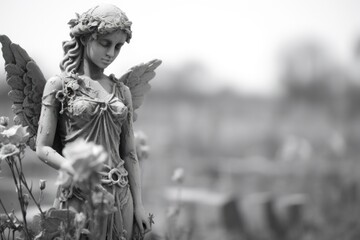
[99, 20]
[102, 19]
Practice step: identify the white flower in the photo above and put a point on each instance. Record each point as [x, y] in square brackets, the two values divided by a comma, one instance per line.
[8, 150]
[142, 148]
[16, 134]
[83, 159]
[4, 121]
[178, 175]
[103, 201]
[64, 179]
[80, 219]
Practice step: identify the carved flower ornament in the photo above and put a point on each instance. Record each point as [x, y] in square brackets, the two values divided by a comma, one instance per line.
[87, 23]
[73, 83]
[60, 96]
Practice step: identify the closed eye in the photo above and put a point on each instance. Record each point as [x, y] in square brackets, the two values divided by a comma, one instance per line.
[104, 43]
[118, 46]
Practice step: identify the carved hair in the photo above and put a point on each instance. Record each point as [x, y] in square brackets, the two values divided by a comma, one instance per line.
[102, 19]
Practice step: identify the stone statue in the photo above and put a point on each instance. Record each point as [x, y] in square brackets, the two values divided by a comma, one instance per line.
[84, 103]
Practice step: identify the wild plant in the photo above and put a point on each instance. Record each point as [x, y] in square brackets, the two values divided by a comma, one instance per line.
[81, 170]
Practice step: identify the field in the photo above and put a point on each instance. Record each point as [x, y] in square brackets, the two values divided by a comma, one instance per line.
[285, 169]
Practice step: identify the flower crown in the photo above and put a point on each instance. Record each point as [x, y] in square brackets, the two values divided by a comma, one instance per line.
[88, 23]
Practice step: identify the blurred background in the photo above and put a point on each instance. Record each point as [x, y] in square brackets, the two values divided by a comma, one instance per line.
[255, 108]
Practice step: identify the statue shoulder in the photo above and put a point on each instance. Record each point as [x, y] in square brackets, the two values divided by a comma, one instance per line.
[53, 86]
[124, 89]
[54, 83]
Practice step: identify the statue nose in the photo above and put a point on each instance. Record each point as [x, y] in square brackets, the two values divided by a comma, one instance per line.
[111, 52]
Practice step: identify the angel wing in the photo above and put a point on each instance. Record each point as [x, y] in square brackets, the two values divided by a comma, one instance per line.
[27, 84]
[137, 79]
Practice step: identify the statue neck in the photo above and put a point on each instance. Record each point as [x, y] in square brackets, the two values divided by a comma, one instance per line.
[88, 68]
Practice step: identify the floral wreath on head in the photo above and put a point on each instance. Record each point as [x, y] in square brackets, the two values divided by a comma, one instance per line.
[87, 23]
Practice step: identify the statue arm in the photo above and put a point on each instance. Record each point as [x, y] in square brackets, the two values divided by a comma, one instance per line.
[128, 153]
[47, 125]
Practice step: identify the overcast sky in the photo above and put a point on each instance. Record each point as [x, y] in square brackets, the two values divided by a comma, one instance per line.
[237, 41]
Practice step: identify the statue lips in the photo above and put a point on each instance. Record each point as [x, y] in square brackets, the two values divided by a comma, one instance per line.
[107, 61]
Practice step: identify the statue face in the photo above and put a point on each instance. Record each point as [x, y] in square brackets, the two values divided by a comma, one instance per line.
[104, 50]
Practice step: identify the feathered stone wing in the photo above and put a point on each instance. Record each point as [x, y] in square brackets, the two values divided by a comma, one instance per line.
[27, 84]
[137, 79]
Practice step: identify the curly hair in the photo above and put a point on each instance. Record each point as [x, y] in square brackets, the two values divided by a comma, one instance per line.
[102, 19]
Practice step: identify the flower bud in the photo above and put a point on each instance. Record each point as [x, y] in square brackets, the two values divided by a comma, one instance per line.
[26, 199]
[42, 184]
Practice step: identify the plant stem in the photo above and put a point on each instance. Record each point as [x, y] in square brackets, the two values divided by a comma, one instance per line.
[23, 180]
[41, 197]
[11, 164]
[92, 208]
[67, 227]
[7, 214]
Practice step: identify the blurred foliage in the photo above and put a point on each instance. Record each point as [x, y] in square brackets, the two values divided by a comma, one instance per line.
[311, 75]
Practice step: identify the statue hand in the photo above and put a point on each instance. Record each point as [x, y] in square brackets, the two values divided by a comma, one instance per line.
[142, 221]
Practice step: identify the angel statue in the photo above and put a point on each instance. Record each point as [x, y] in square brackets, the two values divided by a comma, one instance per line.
[84, 103]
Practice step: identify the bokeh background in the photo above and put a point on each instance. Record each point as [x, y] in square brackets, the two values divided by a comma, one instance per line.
[256, 101]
